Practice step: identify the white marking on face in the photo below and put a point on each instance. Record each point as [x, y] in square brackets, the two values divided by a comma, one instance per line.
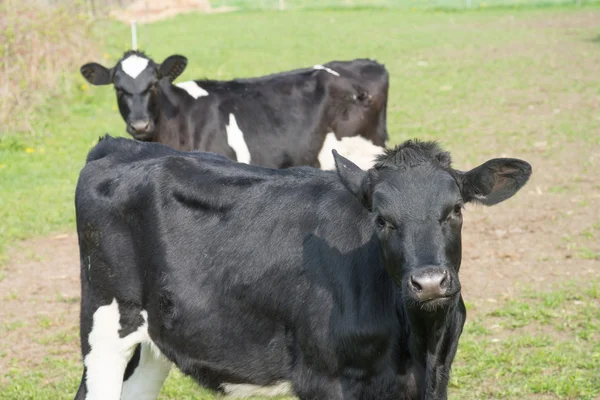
[193, 89]
[243, 391]
[134, 65]
[332, 72]
[235, 139]
[109, 355]
[359, 150]
[149, 375]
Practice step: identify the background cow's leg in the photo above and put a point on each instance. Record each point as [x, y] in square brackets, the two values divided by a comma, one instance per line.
[148, 376]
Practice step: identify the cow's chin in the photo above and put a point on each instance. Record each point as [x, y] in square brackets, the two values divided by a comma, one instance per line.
[439, 304]
[145, 136]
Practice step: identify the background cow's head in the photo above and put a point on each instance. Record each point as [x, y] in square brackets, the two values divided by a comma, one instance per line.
[416, 200]
[358, 91]
[136, 78]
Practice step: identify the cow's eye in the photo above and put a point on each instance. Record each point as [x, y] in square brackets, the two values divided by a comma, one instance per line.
[458, 210]
[362, 96]
[382, 223]
[150, 89]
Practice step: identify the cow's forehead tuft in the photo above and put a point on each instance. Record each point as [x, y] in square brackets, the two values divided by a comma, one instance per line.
[134, 65]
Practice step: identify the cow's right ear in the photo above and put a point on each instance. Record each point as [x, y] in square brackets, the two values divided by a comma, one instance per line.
[96, 74]
[172, 67]
[353, 178]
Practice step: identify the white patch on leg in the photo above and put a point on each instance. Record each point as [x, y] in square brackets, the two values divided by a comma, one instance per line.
[149, 376]
[242, 391]
[109, 353]
[235, 138]
[359, 150]
[193, 89]
[332, 72]
[134, 65]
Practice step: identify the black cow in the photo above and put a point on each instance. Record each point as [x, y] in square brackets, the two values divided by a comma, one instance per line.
[277, 121]
[343, 282]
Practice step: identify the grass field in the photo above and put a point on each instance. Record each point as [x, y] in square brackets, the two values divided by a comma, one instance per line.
[522, 83]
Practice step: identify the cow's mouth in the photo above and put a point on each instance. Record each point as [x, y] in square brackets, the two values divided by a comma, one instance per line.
[144, 136]
[438, 302]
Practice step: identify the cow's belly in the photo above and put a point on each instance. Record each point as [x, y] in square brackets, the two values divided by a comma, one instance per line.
[224, 345]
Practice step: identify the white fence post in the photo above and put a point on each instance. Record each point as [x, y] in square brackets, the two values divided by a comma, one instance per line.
[281, 5]
[133, 36]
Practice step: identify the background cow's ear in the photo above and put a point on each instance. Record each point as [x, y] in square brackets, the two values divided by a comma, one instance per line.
[354, 179]
[495, 180]
[172, 67]
[96, 74]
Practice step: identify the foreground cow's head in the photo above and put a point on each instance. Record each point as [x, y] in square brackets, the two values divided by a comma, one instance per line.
[416, 199]
[358, 92]
[135, 78]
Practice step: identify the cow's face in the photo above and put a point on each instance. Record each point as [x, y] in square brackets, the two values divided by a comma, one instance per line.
[135, 78]
[358, 100]
[416, 200]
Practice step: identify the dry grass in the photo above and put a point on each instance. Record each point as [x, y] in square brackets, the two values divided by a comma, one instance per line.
[39, 46]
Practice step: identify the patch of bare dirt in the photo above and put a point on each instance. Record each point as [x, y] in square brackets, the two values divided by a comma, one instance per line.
[547, 234]
[544, 20]
[40, 301]
[145, 11]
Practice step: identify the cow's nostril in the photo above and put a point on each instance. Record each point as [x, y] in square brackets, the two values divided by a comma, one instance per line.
[445, 280]
[416, 286]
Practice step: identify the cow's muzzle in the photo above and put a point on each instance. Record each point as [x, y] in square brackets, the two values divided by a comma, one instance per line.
[141, 129]
[432, 284]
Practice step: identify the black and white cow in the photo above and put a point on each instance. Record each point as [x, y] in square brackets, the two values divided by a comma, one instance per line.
[344, 283]
[277, 121]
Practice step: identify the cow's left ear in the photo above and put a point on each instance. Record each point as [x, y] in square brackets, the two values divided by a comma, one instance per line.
[354, 179]
[172, 67]
[495, 180]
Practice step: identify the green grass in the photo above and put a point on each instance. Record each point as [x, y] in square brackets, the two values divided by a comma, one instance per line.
[539, 344]
[542, 343]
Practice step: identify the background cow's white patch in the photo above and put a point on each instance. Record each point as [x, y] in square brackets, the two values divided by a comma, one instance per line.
[332, 72]
[235, 138]
[109, 355]
[359, 150]
[134, 65]
[193, 89]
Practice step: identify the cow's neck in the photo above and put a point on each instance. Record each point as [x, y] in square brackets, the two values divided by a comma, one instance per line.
[433, 341]
[171, 127]
[428, 328]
